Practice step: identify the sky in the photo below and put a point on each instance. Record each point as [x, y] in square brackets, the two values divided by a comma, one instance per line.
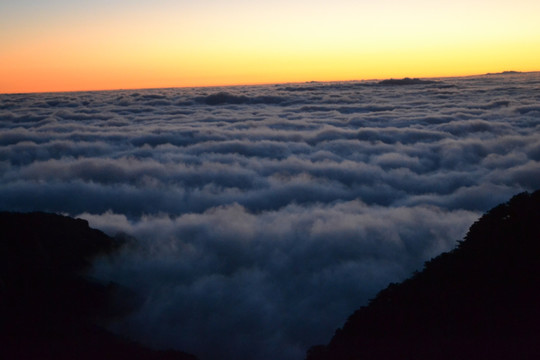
[61, 45]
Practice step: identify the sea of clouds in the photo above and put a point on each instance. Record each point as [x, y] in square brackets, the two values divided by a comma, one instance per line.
[262, 216]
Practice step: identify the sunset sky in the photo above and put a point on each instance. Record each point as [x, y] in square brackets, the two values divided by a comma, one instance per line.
[61, 45]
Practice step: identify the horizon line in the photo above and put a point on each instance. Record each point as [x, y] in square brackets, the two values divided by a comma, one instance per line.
[504, 72]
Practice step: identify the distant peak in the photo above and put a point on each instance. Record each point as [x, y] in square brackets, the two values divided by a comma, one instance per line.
[509, 72]
[406, 81]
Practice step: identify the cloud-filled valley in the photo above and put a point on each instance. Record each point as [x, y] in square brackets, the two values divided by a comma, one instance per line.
[262, 216]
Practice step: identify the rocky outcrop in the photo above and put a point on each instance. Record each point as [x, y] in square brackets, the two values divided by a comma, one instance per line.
[479, 301]
[49, 308]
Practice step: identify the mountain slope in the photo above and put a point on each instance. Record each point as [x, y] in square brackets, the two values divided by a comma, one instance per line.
[481, 300]
[49, 309]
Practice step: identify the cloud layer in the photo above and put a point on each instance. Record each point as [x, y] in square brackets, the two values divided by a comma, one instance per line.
[264, 215]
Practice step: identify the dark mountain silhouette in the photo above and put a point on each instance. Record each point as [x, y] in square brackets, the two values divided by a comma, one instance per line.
[406, 81]
[479, 301]
[510, 72]
[49, 309]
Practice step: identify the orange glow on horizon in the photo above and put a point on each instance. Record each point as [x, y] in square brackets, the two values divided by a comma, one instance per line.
[75, 47]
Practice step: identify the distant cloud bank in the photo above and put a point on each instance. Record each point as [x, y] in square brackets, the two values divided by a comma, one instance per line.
[266, 214]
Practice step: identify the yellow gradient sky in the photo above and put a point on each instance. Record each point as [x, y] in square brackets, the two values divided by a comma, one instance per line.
[61, 45]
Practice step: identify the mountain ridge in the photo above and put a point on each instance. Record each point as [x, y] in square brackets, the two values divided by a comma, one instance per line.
[49, 307]
[479, 300]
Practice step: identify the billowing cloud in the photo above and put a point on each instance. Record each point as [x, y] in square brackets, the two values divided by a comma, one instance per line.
[264, 215]
[253, 285]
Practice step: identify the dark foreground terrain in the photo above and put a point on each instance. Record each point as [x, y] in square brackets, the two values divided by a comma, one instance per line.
[49, 309]
[479, 301]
